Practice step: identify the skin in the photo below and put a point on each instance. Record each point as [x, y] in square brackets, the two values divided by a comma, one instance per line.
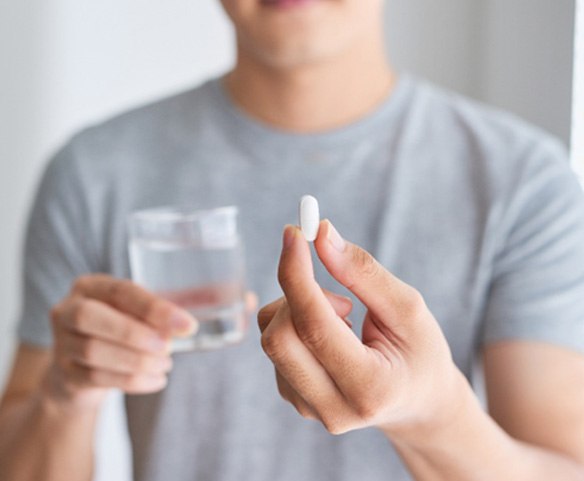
[303, 70]
[109, 333]
[399, 377]
[309, 69]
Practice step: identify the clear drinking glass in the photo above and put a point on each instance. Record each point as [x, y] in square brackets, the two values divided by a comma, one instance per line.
[195, 259]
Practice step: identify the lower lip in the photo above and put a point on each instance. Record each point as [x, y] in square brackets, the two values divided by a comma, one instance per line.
[286, 3]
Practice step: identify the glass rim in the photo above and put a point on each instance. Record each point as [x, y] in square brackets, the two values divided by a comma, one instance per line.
[178, 213]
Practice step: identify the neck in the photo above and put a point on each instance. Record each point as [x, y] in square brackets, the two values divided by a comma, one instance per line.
[314, 97]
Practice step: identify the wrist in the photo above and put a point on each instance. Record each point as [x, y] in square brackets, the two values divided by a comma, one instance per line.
[443, 418]
[57, 398]
[464, 427]
[459, 441]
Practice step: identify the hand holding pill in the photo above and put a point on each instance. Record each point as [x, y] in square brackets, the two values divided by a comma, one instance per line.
[399, 376]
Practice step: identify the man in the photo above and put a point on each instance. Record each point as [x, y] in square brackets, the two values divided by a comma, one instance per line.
[474, 209]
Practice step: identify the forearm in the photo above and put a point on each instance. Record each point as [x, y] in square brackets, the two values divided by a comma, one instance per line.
[474, 448]
[43, 441]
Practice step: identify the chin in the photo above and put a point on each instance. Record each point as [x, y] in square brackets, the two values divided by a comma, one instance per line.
[289, 33]
[296, 54]
[296, 47]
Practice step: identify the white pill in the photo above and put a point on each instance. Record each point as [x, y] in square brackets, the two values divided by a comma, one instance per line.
[309, 217]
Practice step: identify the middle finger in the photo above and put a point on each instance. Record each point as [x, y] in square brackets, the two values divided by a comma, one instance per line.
[96, 319]
[96, 353]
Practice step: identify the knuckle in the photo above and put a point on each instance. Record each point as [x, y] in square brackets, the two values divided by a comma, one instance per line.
[286, 277]
[118, 290]
[415, 303]
[61, 360]
[261, 313]
[264, 315]
[126, 332]
[55, 313]
[312, 335]
[334, 426]
[304, 411]
[83, 308]
[368, 266]
[266, 310]
[62, 357]
[81, 284]
[88, 350]
[283, 276]
[154, 307]
[262, 322]
[93, 376]
[366, 409]
[283, 391]
[81, 313]
[272, 344]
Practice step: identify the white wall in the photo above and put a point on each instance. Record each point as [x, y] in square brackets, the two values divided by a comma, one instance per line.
[438, 40]
[64, 63]
[578, 105]
[513, 54]
[531, 74]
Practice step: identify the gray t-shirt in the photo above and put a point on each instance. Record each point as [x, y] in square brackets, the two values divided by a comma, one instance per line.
[476, 209]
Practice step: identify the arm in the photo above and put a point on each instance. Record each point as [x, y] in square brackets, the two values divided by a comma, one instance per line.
[42, 439]
[400, 376]
[536, 394]
[530, 380]
[107, 333]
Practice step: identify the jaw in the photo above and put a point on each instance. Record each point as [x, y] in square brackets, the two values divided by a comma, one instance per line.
[301, 33]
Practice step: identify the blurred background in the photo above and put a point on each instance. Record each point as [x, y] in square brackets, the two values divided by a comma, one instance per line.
[65, 64]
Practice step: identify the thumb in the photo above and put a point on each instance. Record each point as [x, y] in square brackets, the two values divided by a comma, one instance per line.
[388, 298]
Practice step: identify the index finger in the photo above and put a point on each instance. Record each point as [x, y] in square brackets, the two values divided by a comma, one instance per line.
[132, 299]
[337, 348]
[386, 296]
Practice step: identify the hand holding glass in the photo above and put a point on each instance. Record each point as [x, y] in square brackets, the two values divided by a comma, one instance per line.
[193, 258]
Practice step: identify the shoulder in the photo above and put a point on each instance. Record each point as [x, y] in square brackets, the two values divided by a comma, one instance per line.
[140, 132]
[481, 124]
[161, 118]
[498, 149]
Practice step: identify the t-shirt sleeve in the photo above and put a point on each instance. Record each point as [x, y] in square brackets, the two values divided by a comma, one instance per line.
[58, 246]
[537, 289]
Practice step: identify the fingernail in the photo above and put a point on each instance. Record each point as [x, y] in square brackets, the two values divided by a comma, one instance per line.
[348, 322]
[342, 298]
[335, 238]
[183, 323]
[288, 236]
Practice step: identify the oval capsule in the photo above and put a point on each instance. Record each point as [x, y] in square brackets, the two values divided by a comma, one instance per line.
[309, 217]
